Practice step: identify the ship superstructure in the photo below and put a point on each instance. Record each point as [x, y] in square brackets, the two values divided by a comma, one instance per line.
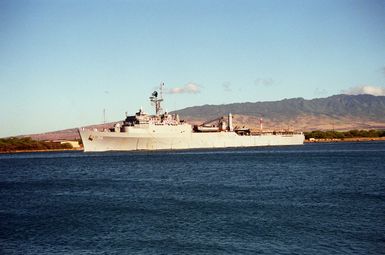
[164, 131]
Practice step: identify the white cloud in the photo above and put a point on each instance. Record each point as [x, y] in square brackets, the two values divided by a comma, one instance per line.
[264, 82]
[365, 89]
[190, 88]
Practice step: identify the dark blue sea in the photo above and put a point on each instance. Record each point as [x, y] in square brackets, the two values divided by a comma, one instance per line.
[310, 199]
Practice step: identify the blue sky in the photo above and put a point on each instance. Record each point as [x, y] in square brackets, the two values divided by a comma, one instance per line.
[62, 62]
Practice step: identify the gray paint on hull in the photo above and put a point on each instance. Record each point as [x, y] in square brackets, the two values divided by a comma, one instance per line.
[111, 141]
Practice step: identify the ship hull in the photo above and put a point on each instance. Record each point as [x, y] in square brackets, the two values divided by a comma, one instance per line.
[94, 141]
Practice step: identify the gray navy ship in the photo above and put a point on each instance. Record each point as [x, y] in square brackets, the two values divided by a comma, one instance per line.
[164, 131]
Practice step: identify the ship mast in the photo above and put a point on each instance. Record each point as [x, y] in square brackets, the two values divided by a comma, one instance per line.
[156, 101]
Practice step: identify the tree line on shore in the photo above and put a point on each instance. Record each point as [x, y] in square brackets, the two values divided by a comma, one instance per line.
[28, 144]
[317, 134]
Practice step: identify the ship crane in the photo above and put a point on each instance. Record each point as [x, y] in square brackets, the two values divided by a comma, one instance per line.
[219, 119]
[220, 126]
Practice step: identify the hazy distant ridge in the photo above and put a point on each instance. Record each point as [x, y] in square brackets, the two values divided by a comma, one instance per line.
[342, 112]
[339, 111]
[366, 106]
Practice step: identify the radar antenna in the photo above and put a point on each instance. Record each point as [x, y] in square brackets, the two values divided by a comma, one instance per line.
[156, 101]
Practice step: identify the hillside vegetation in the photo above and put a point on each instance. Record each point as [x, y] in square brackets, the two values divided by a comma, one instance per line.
[27, 144]
[342, 135]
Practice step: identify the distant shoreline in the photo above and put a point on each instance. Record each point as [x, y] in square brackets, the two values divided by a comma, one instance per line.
[353, 139]
[51, 150]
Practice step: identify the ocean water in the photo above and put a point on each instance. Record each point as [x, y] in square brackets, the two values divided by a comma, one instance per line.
[310, 199]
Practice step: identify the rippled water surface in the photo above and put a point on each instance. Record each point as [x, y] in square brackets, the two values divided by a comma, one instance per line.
[311, 199]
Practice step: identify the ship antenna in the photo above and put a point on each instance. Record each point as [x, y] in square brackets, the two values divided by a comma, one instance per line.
[156, 101]
[161, 90]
